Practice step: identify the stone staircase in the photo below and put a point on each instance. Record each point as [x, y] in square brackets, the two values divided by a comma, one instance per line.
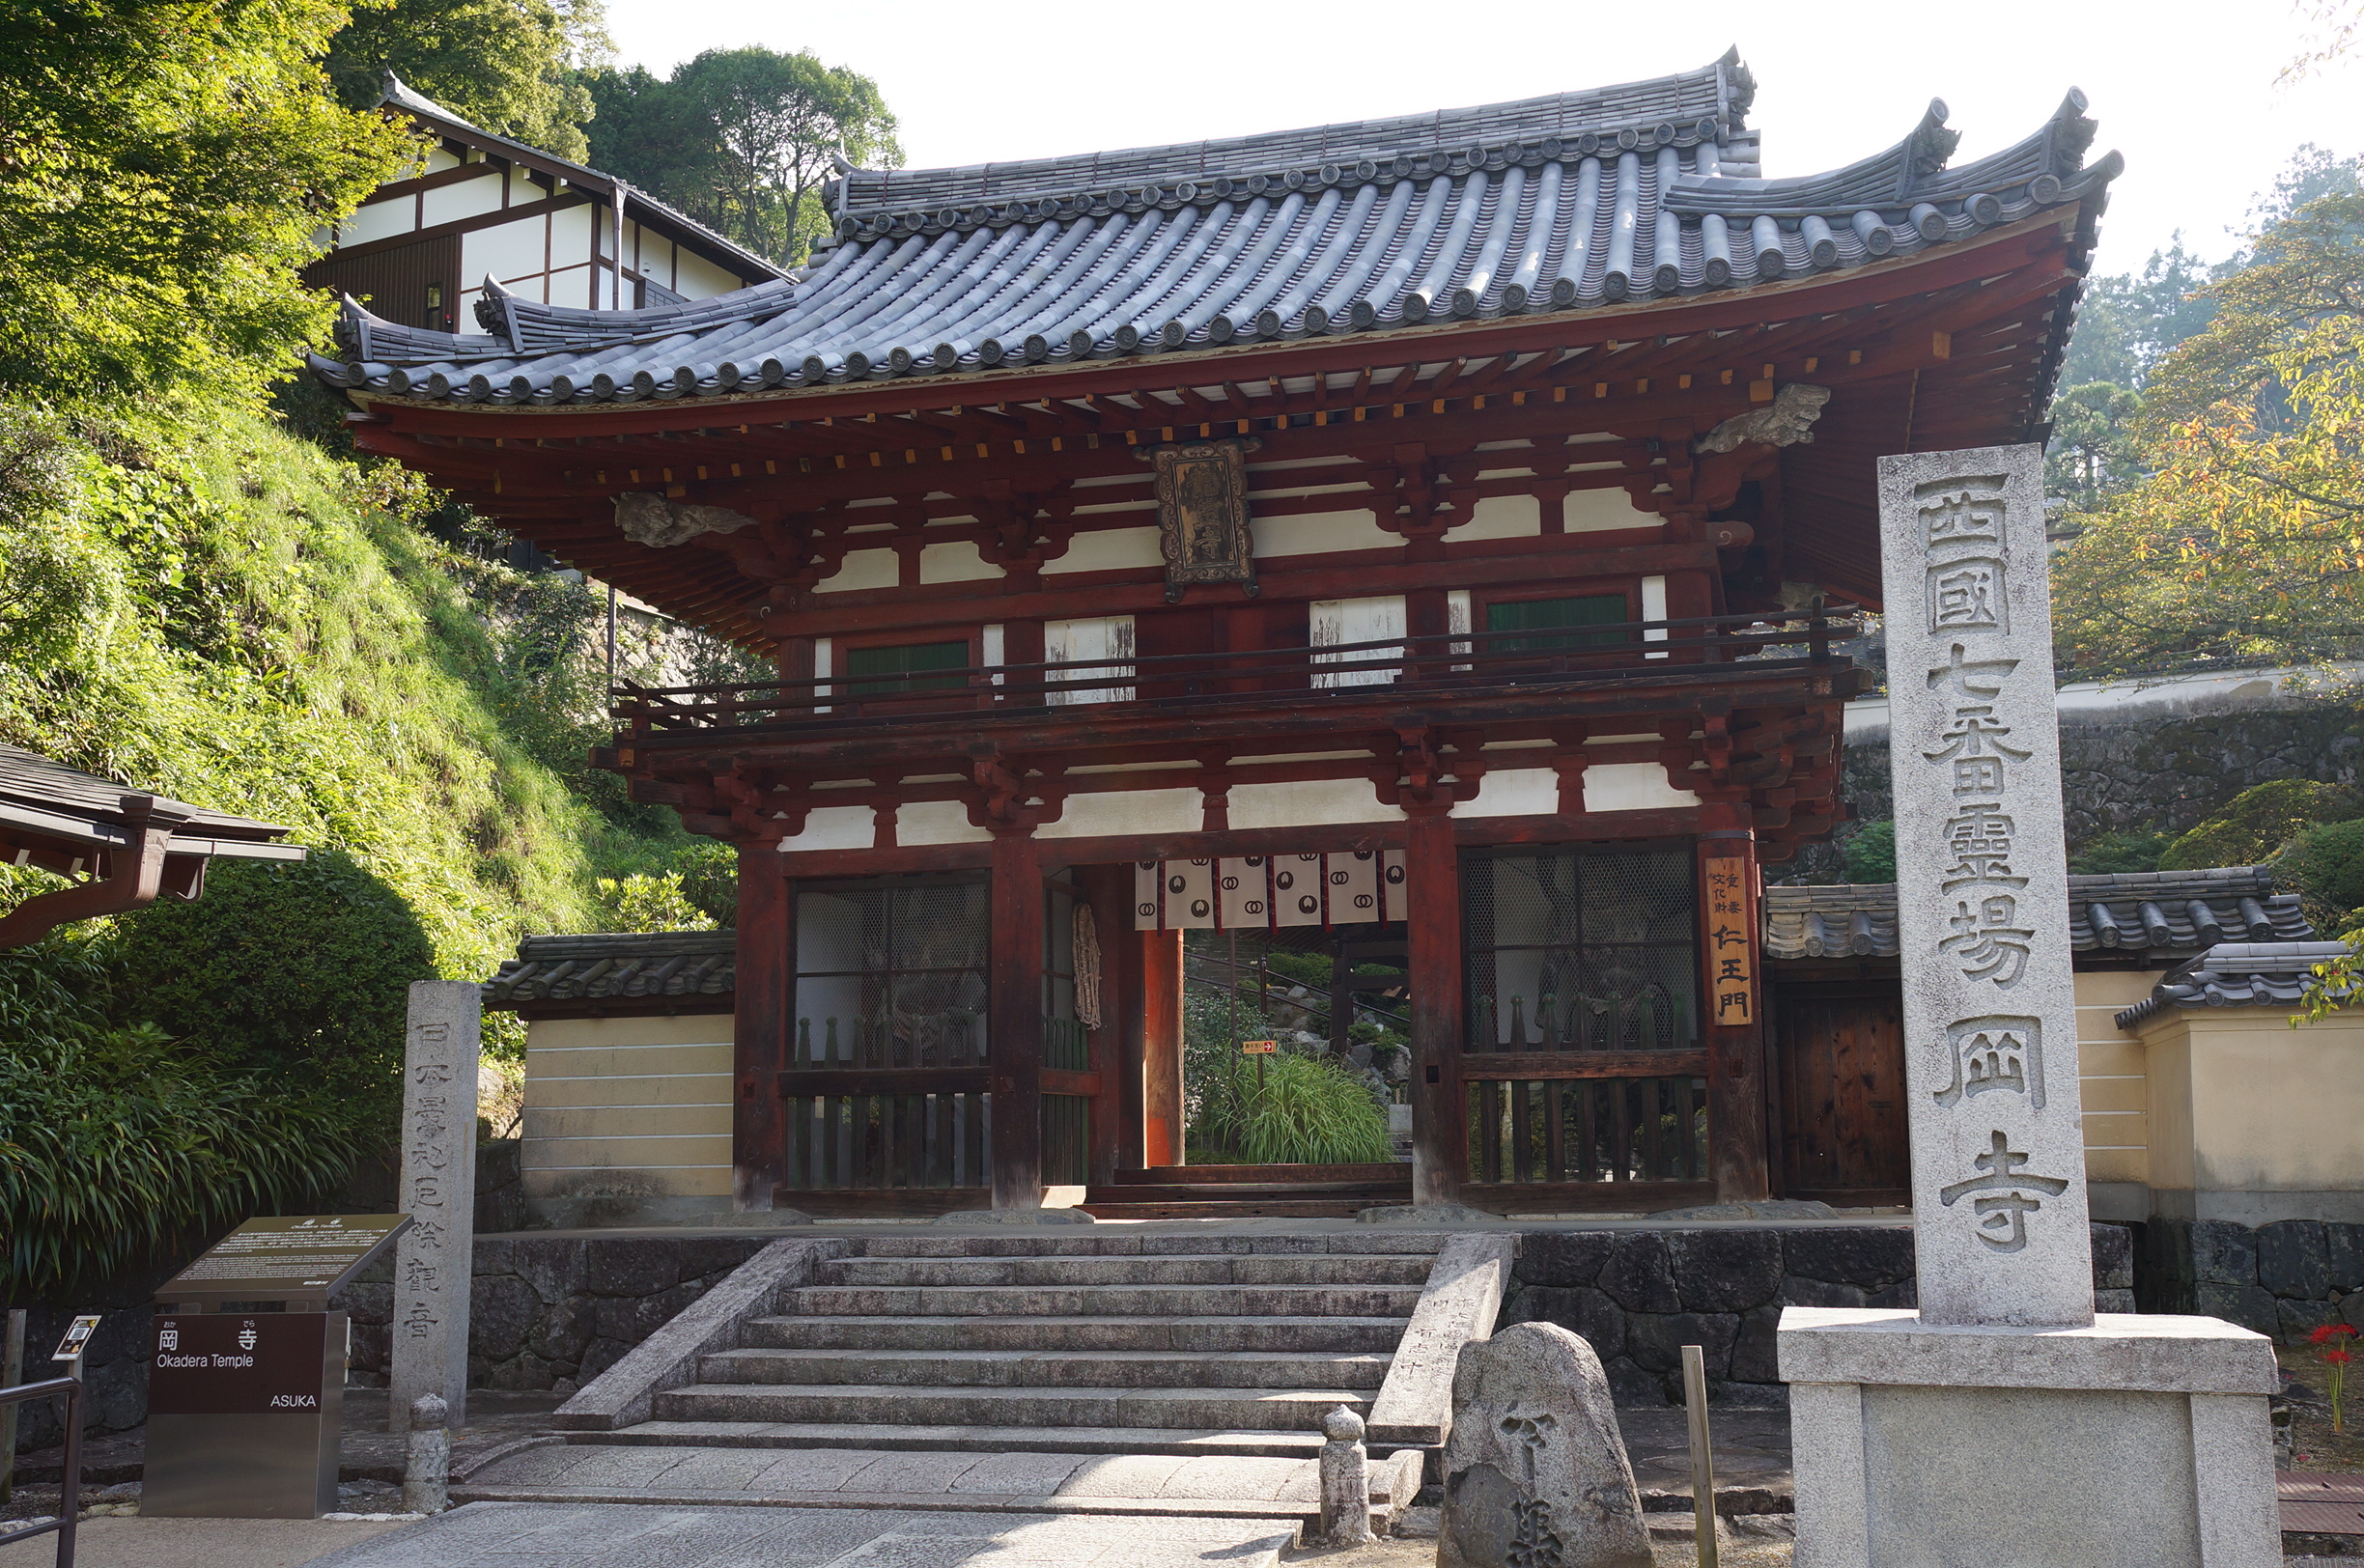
[1182, 1375]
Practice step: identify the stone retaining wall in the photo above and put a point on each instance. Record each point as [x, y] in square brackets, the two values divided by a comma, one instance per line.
[553, 1312]
[2284, 1280]
[1638, 1296]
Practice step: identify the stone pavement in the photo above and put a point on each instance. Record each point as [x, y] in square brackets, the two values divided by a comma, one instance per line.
[195, 1543]
[622, 1535]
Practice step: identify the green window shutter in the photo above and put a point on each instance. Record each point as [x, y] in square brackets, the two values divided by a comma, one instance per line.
[1552, 614]
[877, 672]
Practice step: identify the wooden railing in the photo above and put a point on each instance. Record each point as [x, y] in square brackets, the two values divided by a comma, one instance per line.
[871, 1104]
[1771, 644]
[1586, 1116]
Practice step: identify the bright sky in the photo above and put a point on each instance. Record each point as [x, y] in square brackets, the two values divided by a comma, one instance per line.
[2185, 90]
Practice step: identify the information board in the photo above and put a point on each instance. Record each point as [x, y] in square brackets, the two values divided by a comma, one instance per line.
[223, 1363]
[284, 1255]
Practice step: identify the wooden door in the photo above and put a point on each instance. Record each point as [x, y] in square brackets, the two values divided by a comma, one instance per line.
[416, 285]
[1839, 1075]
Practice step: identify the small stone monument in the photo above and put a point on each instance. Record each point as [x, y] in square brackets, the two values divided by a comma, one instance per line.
[1536, 1473]
[2004, 1421]
[1345, 1479]
[435, 1259]
[427, 1458]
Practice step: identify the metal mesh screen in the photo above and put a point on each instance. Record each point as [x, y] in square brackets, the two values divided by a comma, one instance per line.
[1580, 951]
[895, 970]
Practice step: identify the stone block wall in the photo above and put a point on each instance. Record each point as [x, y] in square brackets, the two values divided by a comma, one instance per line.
[553, 1312]
[1638, 1296]
[2284, 1280]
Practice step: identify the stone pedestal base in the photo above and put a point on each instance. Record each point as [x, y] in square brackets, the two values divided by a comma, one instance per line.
[2139, 1442]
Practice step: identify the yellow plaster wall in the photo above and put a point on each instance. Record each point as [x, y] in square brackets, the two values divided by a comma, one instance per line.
[637, 1103]
[2112, 1075]
[2254, 1105]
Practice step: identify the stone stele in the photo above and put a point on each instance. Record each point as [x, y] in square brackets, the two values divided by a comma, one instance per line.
[1536, 1473]
[435, 1260]
[2003, 1422]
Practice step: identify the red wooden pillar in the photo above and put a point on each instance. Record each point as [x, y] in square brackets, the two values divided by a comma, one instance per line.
[1733, 1005]
[764, 1008]
[1161, 1048]
[1440, 1132]
[1015, 1010]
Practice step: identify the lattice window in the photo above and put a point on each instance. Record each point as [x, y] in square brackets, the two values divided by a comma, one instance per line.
[1584, 950]
[893, 971]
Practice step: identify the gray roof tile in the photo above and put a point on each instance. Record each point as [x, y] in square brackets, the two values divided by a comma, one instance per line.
[2239, 974]
[1621, 194]
[610, 966]
[2147, 912]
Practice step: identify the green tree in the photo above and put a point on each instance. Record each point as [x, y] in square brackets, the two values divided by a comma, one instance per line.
[2126, 324]
[165, 168]
[2256, 824]
[509, 66]
[743, 139]
[2092, 452]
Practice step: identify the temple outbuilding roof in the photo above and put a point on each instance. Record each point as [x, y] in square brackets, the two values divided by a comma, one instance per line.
[2134, 913]
[2239, 974]
[1622, 195]
[608, 967]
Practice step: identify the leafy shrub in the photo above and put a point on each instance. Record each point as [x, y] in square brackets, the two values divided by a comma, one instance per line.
[2258, 821]
[116, 1144]
[2120, 854]
[2326, 865]
[301, 972]
[646, 901]
[1307, 1112]
[1870, 853]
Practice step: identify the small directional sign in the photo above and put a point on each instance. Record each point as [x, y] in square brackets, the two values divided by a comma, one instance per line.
[1258, 1048]
[77, 1337]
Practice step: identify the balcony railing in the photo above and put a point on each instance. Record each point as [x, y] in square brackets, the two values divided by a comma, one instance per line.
[1768, 647]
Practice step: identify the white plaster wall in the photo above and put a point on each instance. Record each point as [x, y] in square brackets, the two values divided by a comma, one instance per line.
[1592, 510]
[514, 251]
[861, 569]
[1308, 803]
[699, 278]
[1106, 640]
[1129, 811]
[1346, 620]
[470, 198]
[955, 561]
[1631, 786]
[1108, 549]
[1655, 608]
[570, 237]
[1513, 792]
[379, 220]
[937, 821]
[1316, 533]
[835, 827]
[1501, 516]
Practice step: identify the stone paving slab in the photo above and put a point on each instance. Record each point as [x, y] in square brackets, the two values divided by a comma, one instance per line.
[625, 1535]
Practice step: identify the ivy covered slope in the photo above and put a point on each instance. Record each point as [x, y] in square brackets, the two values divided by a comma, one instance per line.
[194, 600]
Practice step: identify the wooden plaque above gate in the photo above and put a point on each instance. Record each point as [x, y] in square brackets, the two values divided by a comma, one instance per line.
[1202, 514]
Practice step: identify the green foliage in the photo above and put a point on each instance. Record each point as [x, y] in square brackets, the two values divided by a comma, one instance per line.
[2120, 854]
[1305, 1111]
[2259, 820]
[2092, 454]
[300, 972]
[165, 167]
[2326, 865]
[509, 65]
[1304, 968]
[649, 901]
[1868, 854]
[2126, 324]
[117, 1143]
[743, 139]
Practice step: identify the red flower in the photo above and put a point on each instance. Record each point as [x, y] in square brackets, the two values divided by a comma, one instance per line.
[2330, 1331]
[2339, 1357]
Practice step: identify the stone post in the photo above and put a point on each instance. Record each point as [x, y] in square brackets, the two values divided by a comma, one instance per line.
[1345, 1481]
[2004, 1421]
[427, 1457]
[434, 1261]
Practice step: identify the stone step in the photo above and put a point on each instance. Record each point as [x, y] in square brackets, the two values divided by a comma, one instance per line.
[1212, 1268]
[1022, 1480]
[1105, 1300]
[1066, 1241]
[1271, 1410]
[1340, 1335]
[1065, 1440]
[1197, 1207]
[1045, 1369]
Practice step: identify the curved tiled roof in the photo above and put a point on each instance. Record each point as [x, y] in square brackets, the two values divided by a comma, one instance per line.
[1473, 214]
[611, 966]
[2137, 913]
[2237, 975]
